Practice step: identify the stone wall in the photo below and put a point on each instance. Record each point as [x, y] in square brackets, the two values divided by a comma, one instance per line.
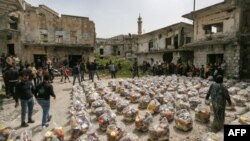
[231, 54]
[222, 13]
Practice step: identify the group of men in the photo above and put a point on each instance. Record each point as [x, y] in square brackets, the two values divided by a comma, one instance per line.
[21, 84]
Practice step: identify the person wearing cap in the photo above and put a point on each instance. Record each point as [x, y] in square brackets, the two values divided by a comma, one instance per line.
[42, 93]
[24, 93]
[219, 96]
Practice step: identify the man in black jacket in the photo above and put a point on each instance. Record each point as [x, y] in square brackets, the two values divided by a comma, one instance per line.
[43, 92]
[12, 78]
[24, 92]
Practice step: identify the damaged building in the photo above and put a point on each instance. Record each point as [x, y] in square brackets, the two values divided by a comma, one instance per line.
[166, 44]
[41, 33]
[221, 32]
[121, 45]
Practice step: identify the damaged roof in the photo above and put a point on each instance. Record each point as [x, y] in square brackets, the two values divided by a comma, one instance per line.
[7, 6]
[223, 6]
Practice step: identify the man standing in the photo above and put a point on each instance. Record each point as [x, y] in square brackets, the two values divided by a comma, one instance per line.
[219, 96]
[135, 69]
[76, 73]
[112, 69]
[43, 92]
[95, 70]
[24, 92]
[82, 70]
[12, 78]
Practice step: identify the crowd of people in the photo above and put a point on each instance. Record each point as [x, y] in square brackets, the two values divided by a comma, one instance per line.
[23, 82]
[180, 68]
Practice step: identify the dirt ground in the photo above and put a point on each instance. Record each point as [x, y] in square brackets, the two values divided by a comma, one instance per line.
[10, 116]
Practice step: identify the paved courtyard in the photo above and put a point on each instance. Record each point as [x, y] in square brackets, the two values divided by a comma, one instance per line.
[60, 107]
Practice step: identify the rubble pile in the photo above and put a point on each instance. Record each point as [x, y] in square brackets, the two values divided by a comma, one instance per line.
[147, 106]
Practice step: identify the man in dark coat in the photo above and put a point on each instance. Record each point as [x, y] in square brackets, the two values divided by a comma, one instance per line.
[24, 93]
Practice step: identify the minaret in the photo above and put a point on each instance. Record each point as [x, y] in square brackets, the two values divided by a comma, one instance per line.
[139, 25]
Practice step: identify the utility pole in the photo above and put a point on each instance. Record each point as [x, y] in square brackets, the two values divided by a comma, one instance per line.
[194, 5]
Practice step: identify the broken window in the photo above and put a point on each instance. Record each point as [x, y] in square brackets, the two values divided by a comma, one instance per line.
[11, 49]
[247, 18]
[188, 40]
[59, 38]
[44, 38]
[9, 36]
[101, 51]
[13, 21]
[150, 45]
[213, 28]
[176, 45]
[73, 37]
[42, 19]
[168, 42]
[214, 58]
[115, 48]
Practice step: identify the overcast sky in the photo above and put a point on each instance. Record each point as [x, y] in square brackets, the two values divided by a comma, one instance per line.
[115, 17]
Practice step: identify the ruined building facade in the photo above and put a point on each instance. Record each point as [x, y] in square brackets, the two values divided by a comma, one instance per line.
[166, 44]
[121, 45]
[222, 32]
[38, 33]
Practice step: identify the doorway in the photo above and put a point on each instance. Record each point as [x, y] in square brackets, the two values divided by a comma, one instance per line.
[73, 59]
[11, 49]
[214, 58]
[168, 57]
[40, 60]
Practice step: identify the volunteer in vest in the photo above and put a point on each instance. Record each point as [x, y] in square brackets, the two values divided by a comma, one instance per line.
[43, 92]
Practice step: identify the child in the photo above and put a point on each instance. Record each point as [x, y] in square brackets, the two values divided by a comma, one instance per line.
[66, 74]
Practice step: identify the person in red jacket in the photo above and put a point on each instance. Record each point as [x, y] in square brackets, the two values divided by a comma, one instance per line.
[66, 73]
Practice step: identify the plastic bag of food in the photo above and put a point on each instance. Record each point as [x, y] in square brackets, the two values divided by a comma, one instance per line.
[183, 120]
[203, 92]
[129, 113]
[59, 133]
[192, 93]
[245, 94]
[49, 136]
[106, 119]
[129, 137]
[6, 133]
[233, 90]
[245, 119]
[181, 97]
[202, 113]
[114, 132]
[97, 103]
[182, 90]
[133, 97]
[239, 100]
[168, 98]
[121, 105]
[194, 102]
[93, 97]
[180, 104]
[166, 111]
[112, 101]
[143, 101]
[209, 137]
[154, 106]
[159, 132]
[143, 121]
[92, 136]
[100, 110]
